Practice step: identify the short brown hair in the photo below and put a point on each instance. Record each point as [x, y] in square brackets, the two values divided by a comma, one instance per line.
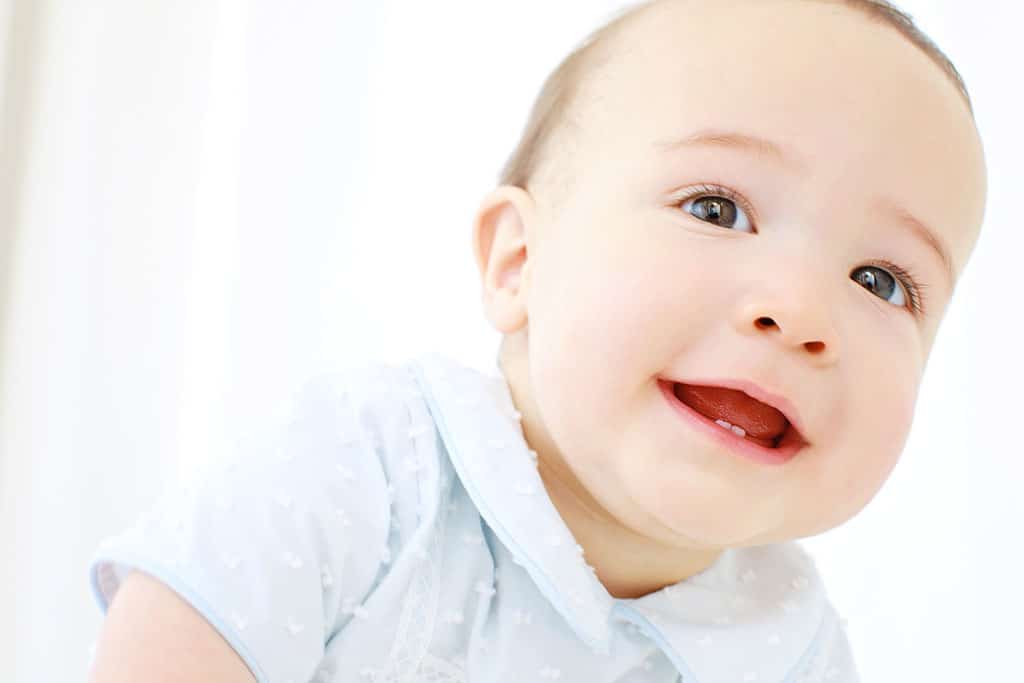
[552, 113]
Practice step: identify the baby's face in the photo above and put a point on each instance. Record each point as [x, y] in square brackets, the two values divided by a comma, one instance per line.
[727, 261]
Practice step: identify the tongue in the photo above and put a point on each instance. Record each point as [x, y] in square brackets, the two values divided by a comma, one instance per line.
[718, 403]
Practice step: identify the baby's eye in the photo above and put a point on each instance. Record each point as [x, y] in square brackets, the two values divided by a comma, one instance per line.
[881, 283]
[721, 206]
[719, 211]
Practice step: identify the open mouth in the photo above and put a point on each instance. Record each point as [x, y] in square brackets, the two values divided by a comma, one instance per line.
[735, 411]
[736, 420]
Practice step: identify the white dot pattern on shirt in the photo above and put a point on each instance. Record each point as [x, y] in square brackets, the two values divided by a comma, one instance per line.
[240, 623]
[358, 611]
[521, 617]
[292, 627]
[478, 460]
[550, 673]
[413, 464]
[175, 518]
[292, 560]
[454, 616]
[527, 489]
[419, 430]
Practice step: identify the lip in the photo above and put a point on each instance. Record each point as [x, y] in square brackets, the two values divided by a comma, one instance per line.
[780, 403]
[791, 444]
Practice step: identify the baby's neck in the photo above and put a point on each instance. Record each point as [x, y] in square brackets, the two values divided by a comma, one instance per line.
[628, 564]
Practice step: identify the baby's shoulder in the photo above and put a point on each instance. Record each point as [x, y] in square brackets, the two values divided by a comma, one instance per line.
[301, 512]
[377, 411]
[374, 393]
[378, 404]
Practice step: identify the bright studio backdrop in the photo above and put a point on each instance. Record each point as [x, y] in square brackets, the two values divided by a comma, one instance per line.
[204, 202]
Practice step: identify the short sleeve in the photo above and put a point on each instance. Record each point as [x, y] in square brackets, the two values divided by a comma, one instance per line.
[278, 546]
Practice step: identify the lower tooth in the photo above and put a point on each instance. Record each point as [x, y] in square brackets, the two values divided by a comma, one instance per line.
[738, 431]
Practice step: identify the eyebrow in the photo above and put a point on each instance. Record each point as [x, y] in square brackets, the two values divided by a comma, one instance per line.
[922, 231]
[725, 139]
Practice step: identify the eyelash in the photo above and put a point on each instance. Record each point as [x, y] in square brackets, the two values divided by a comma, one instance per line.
[913, 286]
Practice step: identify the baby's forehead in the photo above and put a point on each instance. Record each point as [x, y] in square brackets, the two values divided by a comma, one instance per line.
[664, 73]
[831, 88]
[773, 41]
[763, 112]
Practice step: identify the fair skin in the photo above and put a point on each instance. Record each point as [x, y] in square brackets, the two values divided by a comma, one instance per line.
[625, 283]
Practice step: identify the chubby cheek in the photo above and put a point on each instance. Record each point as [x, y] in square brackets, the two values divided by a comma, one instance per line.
[853, 470]
[581, 347]
[623, 289]
[591, 328]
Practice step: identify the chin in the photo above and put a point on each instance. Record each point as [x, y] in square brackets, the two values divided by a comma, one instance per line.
[708, 527]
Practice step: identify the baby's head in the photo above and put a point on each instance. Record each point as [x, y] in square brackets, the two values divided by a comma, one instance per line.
[777, 191]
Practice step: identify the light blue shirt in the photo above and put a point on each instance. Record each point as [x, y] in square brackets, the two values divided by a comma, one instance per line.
[398, 530]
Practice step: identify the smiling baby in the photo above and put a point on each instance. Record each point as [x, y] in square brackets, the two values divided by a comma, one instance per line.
[718, 259]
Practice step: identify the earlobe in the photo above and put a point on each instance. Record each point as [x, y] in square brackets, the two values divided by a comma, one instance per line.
[501, 237]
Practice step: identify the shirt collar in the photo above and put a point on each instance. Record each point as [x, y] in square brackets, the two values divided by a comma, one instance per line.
[757, 609]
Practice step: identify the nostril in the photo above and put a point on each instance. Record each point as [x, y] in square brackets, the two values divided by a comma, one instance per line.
[764, 322]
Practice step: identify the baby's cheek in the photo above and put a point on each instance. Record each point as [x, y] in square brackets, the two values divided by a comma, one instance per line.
[894, 412]
[884, 392]
[876, 441]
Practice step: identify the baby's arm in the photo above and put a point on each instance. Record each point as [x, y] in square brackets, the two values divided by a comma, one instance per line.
[151, 634]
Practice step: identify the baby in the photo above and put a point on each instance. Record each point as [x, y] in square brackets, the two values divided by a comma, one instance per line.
[719, 259]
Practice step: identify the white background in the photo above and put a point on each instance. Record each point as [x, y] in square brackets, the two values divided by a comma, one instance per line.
[204, 202]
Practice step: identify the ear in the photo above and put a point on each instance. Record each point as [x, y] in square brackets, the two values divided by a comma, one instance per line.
[502, 231]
